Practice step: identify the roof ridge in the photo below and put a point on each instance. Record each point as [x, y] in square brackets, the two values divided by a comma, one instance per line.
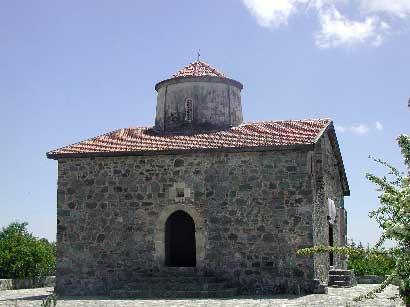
[285, 120]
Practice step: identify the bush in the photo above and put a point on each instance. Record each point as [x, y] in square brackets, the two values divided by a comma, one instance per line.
[24, 256]
[371, 264]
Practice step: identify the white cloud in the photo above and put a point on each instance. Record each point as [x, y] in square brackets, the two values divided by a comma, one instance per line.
[338, 30]
[272, 13]
[379, 126]
[367, 27]
[400, 8]
[360, 129]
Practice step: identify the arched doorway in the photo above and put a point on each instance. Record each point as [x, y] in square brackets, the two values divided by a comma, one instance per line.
[180, 248]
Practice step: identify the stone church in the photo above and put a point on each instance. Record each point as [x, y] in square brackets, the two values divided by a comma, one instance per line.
[201, 204]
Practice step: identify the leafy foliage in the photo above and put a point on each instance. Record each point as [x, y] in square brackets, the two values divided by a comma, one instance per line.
[24, 256]
[368, 263]
[393, 216]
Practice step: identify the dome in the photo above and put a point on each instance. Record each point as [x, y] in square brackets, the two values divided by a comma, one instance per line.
[196, 98]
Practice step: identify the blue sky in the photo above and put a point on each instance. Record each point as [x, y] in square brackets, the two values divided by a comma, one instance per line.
[70, 70]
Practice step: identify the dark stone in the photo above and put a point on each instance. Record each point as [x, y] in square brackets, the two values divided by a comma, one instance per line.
[210, 178]
[225, 220]
[232, 237]
[178, 163]
[91, 205]
[104, 189]
[214, 220]
[298, 273]
[155, 187]
[245, 187]
[241, 202]
[268, 237]
[291, 168]
[272, 185]
[198, 195]
[261, 228]
[284, 185]
[252, 178]
[297, 219]
[89, 182]
[103, 206]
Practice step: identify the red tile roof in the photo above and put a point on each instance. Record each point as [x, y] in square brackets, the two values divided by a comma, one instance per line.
[198, 69]
[251, 135]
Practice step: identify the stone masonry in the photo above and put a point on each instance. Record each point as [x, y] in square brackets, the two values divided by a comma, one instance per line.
[255, 210]
[251, 195]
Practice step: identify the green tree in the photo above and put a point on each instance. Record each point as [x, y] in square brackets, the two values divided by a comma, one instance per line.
[393, 217]
[368, 263]
[24, 256]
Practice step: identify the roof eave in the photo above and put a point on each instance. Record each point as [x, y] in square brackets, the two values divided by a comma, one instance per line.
[57, 156]
[199, 79]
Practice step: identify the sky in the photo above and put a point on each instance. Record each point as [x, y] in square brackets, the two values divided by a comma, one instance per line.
[71, 70]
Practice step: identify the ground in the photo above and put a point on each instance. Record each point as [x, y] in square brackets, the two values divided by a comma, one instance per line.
[336, 297]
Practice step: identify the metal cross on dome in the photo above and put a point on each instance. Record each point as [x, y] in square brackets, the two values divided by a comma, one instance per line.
[199, 54]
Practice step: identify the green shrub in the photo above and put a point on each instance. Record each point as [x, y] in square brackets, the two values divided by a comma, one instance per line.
[371, 264]
[24, 256]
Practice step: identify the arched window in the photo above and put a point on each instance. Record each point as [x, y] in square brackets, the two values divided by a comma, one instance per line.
[188, 110]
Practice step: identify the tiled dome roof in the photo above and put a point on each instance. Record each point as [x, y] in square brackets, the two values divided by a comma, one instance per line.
[198, 69]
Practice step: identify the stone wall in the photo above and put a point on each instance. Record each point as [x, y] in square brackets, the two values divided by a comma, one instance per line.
[252, 211]
[333, 190]
[27, 283]
[216, 104]
[326, 183]
[370, 279]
